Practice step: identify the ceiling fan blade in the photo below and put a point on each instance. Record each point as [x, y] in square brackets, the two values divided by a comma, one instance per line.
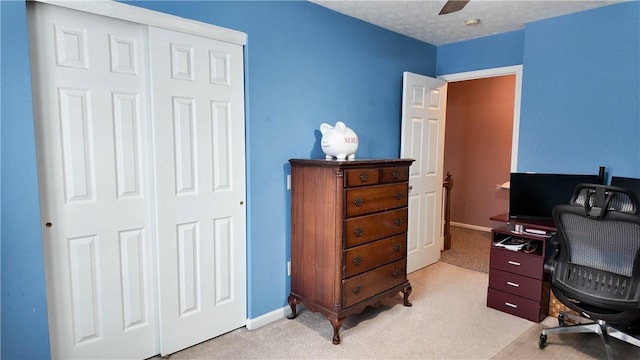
[453, 6]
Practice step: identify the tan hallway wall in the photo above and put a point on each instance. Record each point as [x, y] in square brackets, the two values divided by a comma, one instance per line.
[478, 138]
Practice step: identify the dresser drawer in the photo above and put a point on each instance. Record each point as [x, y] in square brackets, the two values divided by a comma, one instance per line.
[365, 285]
[365, 257]
[516, 284]
[361, 201]
[516, 262]
[363, 229]
[514, 305]
[394, 174]
[360, 177]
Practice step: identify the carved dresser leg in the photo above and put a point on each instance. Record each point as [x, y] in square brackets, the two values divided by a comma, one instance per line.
[407, 291]
[292, 305]
[337, 324]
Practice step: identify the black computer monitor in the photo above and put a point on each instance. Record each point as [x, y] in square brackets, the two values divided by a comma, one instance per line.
[627, 183]
[532, 196]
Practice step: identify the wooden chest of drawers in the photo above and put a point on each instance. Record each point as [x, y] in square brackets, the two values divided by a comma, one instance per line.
[348, 235]
[517, 283]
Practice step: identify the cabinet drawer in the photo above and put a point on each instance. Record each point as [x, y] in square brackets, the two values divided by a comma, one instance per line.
[516, 262]
[395, 174]
[365, 285]
[365, 257]
[514, 305]
[360, 177]
[523, 286]
[363, 229]
[361, 201]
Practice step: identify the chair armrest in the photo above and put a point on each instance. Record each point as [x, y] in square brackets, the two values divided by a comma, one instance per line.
[554, 250]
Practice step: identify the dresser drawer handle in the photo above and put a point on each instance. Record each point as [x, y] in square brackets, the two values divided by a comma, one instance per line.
[358, 260]
[398, 221]
[358, 231]
[397, 272]
[511, 305]
[513, 284]
[364, 177]
[358, 202]
[395, 174]
[398, 196]
[397, 247]
[356, 290]
[514, 263]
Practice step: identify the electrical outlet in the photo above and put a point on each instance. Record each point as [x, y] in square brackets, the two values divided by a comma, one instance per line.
[288, 268]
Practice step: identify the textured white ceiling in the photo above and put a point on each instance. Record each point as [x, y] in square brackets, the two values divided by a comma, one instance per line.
[419, 18]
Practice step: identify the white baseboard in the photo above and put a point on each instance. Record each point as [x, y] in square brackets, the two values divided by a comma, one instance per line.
[472, 227]
[269, 317]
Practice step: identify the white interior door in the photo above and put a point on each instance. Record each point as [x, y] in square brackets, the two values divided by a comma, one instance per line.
[90, 100]
[423, 124]
[199, 135]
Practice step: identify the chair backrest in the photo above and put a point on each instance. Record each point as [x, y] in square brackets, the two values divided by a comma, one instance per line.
[602, 198]
[600, 229]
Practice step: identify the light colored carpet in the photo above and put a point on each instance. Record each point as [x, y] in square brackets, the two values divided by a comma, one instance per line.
[448, 320]
[564, 346]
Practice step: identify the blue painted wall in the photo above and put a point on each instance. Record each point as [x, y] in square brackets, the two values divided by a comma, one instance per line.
[488, 52]
[304, 65]
[0, 176]
[24, 307]
[581, 93]
[580, 88]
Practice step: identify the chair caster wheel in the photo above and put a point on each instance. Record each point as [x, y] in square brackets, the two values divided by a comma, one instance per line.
[542, 342]
[561, 321]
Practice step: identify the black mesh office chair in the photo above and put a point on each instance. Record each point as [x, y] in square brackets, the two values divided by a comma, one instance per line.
[595, 268]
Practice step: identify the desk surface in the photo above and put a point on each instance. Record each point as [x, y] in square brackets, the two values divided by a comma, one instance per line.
[542, 224]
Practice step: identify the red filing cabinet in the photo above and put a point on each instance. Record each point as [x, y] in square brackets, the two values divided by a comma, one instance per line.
[517, 282]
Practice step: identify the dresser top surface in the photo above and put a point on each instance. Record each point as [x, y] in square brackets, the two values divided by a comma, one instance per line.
[351, 163]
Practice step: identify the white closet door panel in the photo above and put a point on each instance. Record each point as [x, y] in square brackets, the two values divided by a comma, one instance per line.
[77, 151]
[87, 317]
[92, 136]
[133, 260]
[223, 261]
[221, 158]
[128, 146]
[199, 148]
[188, 268]
[185, 145]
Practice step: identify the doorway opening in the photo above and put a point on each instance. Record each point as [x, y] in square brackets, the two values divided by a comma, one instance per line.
[481, 142]
[481, 149]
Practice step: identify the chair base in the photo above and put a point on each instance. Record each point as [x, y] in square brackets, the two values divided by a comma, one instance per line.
[600, 327]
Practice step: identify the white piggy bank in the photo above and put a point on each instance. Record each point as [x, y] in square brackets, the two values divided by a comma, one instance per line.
[338, 141]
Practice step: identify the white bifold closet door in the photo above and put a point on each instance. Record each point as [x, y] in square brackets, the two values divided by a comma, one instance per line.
[199, 132]
[140, 145]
